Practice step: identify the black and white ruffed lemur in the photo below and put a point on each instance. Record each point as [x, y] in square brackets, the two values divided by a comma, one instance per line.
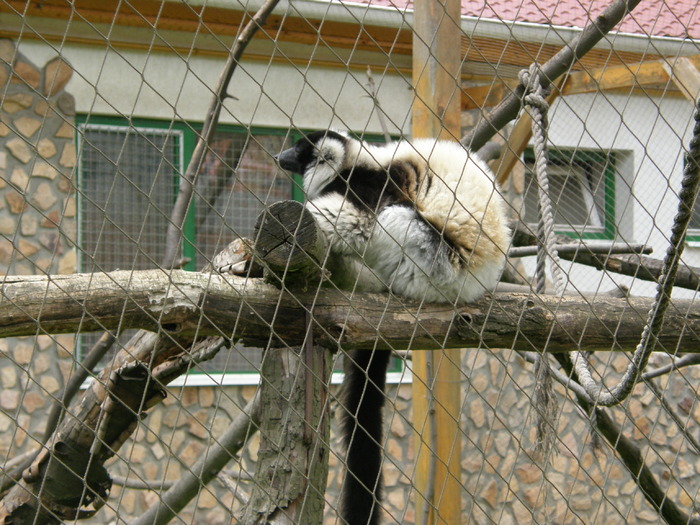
[423, 220]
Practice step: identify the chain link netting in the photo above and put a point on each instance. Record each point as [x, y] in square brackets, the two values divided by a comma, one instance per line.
[138, 152]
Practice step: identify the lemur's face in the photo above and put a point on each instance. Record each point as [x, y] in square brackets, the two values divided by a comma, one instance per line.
[318, 156]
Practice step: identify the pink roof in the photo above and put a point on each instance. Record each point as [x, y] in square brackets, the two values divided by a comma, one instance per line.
[671, 18]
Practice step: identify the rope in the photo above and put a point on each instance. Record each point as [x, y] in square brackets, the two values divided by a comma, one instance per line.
[655, 318]
[537, 106]
[536, 103]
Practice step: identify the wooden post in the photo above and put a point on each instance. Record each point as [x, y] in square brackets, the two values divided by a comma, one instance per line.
[292, 466]
[436, 70]
[436, 391]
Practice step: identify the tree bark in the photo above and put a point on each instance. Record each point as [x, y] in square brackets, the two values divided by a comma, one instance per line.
[292, 467]
[183, 304]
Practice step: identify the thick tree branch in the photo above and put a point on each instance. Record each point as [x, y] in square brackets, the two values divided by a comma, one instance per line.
[68, 474]
[183, 304]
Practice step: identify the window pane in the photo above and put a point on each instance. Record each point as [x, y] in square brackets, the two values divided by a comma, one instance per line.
[578, 188]
[239, 178]
[127, 190]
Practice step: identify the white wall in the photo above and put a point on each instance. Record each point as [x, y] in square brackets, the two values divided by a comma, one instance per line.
[166, 86]
[649, 136]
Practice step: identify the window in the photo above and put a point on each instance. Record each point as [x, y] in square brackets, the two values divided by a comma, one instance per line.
[127, 184]
[126, 188]
[694, 224]
[582, 189]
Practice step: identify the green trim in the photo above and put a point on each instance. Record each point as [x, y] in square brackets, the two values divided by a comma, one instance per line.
[189, 228]
[694, 235]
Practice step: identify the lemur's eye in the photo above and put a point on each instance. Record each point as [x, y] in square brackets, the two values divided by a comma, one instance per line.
[321, 157]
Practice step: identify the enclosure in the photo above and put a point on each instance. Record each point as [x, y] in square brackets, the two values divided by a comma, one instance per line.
[138, 139]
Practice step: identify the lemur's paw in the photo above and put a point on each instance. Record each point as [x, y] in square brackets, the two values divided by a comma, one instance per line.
[236, 259]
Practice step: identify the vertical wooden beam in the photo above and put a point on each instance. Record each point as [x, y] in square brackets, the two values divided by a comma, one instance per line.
[436, 69]
[436, 392]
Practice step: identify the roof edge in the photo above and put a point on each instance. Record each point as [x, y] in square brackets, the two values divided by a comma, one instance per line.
[384, 16]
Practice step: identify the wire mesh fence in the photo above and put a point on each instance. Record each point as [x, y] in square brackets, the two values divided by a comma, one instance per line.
[209, 387]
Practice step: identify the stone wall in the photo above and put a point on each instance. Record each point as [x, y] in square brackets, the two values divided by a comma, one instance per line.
[37, 230]
[37, 158]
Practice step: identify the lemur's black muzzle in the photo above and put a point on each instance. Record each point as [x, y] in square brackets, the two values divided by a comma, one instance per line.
[288, 161]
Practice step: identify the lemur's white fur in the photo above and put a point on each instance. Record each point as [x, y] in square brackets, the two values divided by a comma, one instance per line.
[452, 190]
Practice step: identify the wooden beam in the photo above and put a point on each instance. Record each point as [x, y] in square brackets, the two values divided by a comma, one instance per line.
[436, 374]
[650, 75]
[436, 72]
[212, 20]
[640, 75]
[684, 73]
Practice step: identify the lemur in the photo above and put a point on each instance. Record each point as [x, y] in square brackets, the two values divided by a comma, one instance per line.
[423, 220]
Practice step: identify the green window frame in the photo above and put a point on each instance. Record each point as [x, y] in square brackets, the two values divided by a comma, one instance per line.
[184, 137]
[582, 184]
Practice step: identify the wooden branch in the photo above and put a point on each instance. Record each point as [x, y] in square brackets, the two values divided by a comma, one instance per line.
[68, 480]
[558, 65]
[573, 249]
[189, 179]
[184, 303]
[637, 266]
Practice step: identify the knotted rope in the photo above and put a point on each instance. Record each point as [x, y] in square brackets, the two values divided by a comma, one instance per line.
[535, 102]
[537, 107]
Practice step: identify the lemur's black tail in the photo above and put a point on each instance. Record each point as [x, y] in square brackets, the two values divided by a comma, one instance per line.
[361, 419]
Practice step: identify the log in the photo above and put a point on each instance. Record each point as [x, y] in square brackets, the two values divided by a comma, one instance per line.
[292, 467]
[184, 303]
[289, 245]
